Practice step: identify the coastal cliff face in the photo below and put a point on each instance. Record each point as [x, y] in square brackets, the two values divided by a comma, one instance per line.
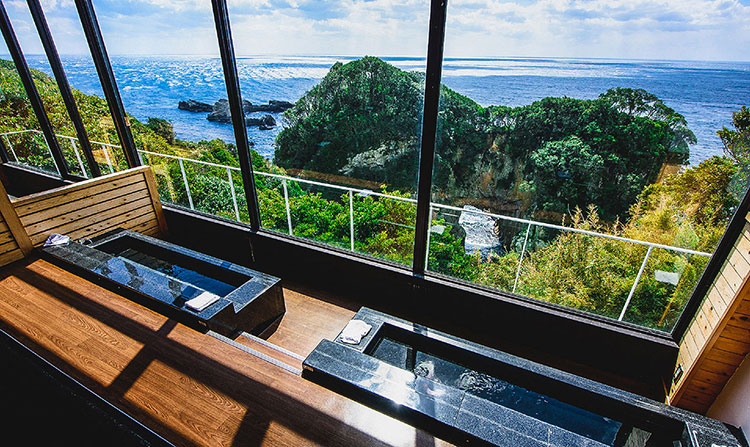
[363, 120]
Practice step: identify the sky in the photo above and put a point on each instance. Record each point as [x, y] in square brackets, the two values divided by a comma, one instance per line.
[624, 29]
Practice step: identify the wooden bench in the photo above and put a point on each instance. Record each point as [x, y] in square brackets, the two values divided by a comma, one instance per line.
[126, 199]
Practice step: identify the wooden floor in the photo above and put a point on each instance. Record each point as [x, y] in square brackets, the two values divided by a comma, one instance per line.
[191, 388]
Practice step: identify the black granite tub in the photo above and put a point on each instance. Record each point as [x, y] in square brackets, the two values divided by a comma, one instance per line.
[165, 276]
[468, 393]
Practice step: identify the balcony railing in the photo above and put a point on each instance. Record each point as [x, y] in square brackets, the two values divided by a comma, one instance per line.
[72, 141]
[351, 193]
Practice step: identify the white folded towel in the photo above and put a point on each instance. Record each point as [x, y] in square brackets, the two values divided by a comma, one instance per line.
[202, 301]
[354, 331]
[56, 239]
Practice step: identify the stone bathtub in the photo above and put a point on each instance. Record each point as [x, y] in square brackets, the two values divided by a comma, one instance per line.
[469, 394]
[166, 276]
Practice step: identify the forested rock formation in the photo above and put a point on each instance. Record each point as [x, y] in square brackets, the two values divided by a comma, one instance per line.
[363, 120]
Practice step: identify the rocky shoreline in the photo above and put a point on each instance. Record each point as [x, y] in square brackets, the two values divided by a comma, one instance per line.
[219, 112]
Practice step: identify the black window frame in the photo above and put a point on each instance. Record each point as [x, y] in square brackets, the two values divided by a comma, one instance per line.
[418, 270]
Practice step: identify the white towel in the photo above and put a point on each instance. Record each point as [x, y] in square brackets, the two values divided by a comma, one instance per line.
[56, 239]
[354, 331]
[202, 301]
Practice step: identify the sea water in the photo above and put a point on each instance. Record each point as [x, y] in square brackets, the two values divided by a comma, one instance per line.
[706, 93]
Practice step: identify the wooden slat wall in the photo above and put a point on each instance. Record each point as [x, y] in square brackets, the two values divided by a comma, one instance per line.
[126, 199]
[14, 243]
[718, 339]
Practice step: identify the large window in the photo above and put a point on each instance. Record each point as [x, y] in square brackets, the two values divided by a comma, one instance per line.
[596, 184]
[20, 133]
[576, 162]
[176, 98]
[87, 93]
[333, 111]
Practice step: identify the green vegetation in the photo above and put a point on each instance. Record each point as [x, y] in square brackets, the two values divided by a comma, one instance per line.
[362, 120]
[737, 147]
[592, 164]
[17, 114]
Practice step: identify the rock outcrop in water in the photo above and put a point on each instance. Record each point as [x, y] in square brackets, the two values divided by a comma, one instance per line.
[220, 113]
[265, 122]
[194, 106]
[273, 106]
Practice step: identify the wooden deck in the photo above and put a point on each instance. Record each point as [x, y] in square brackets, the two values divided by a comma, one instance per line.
[189, 387]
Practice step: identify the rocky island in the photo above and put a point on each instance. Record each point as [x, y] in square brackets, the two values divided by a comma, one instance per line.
[219, 111]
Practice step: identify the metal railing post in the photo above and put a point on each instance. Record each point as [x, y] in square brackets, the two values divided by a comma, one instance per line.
[3, 151]
[351, 219]
[429, 231]
[234, 195]
[52, 156]
[10, 147]
[635, 283]
[78, 156]
[106, 157]
[286, 203]
[185, 181]
[520, 259]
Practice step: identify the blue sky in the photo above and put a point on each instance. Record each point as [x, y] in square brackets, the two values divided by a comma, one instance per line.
[631, 29]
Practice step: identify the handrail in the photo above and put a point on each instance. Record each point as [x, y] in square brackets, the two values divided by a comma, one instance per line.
[14, 132]
[365, 192]
[440, 205]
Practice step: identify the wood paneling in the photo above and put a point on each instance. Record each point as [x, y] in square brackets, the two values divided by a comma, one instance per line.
[190, 388]
[14, 243]
[126, 199]
[718, 339]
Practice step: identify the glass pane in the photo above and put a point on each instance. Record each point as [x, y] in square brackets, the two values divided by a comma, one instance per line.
[169, 91]
[338, 135]
[68, 35]
[665, 285]
[19, 128]
[555, 177]
[47, 87]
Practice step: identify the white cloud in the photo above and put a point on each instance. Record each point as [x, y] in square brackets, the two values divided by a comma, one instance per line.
[692, 29]
[677, 29]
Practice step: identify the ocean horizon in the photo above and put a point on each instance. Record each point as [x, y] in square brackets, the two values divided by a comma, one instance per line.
[705, 92]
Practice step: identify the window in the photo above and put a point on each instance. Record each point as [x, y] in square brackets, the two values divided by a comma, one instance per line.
[595, 184]
[80, 72]
[333, 110]
[576, 163]
[175, 94]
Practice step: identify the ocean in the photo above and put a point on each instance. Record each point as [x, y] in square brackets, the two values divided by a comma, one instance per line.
[706, 93]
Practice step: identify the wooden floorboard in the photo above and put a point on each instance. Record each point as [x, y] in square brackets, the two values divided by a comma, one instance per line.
[189, 387]
[310, 318]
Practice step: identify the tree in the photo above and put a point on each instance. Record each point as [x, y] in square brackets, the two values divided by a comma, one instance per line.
[568, 174]
[639, 102]
[162, 128]
[357, 107]
[737, 148]
[737, 142]
[699, 195]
